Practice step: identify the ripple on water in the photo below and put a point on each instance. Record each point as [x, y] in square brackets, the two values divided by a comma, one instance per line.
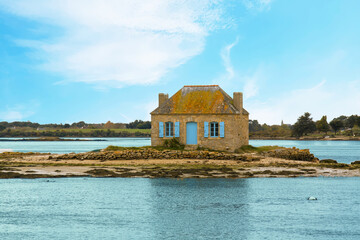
[128, 208]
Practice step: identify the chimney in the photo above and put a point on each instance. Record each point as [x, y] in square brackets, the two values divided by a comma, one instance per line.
[162, 98]
[238, 101]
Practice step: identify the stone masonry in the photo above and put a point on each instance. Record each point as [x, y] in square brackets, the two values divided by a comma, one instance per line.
[202, 107]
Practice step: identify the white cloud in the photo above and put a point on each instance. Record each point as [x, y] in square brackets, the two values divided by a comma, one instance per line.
[258, 5]
[233, 79]
[117, 42]
[251, 87]
[11, 115]
[332, 89]
[143, 110]
[225, 56]
[15, 114]
[19, 112]
[227, 78]
[321, 99]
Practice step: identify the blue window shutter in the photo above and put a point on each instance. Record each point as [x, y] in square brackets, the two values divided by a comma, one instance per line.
[222, 129]
[161, 129]
[177, 129]
[206, 129]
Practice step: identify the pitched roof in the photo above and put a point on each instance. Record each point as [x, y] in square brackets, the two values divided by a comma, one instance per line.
[199, 99]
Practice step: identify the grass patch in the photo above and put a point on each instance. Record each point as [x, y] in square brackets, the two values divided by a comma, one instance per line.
[9, 169]
[17, 154]
[169, 144]
[174, 144]
[112, 148]
[252, 149]
[336, 165]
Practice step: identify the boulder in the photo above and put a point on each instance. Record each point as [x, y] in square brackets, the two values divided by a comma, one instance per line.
[328, 161]
[292, 154]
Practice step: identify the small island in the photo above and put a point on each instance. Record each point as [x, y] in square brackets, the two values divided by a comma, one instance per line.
[175, 162]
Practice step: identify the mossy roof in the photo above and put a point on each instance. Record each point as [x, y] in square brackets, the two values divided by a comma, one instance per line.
[199, 99]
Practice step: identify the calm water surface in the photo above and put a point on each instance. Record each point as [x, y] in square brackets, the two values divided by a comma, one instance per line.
[342, 151]
[138, 208]
[72, 146]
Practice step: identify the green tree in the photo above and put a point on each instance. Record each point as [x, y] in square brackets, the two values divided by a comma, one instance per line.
[304, 125]
[144, 125]
[352, 120]
[139, 124]
[336, 124]
[254, 126]
[322, 125]
[80, 124]
[2, 128]
[356, 130]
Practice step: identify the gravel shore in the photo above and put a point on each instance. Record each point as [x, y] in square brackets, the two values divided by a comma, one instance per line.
[48, 166]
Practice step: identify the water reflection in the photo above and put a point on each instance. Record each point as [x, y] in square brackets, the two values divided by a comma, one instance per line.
[342, 151]
[138, 208]
[183, 209]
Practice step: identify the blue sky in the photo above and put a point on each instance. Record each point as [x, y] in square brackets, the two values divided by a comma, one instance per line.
[65, 61]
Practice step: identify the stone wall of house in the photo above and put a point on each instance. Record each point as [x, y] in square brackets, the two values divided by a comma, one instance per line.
[236, 129]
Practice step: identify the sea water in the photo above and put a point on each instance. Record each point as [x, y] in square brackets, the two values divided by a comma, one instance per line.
[342, 151]
[139, 208]
[71, 146]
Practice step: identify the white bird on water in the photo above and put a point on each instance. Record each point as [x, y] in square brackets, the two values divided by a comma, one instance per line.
[312, 198]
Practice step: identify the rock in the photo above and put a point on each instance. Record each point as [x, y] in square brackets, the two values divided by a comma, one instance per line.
[356, 162]
[328, 161]
[292, 154]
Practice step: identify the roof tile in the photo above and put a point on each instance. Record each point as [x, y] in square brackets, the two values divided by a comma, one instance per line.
[199, 99]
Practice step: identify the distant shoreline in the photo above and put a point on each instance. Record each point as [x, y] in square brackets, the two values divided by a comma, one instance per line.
[74, 133]
[34, 139]
[40, 139]
[45, 139]
[306, 139]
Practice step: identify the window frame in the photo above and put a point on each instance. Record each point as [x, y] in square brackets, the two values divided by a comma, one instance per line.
[214, 129]
[169, 129]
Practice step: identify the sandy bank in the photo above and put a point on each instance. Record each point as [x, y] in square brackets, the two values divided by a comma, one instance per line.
[39, 166]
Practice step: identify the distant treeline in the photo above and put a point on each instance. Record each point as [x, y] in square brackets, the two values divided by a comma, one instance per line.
[62, 133]
[77, 129]
[137, 124]
[305, 125]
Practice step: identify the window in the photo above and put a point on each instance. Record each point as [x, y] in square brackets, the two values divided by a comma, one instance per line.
[169, 129]
[214, 129]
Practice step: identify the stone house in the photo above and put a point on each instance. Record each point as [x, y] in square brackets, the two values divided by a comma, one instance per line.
[202, 115]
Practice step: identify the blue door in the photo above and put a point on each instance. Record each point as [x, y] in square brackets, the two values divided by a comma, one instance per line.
[191, 133]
